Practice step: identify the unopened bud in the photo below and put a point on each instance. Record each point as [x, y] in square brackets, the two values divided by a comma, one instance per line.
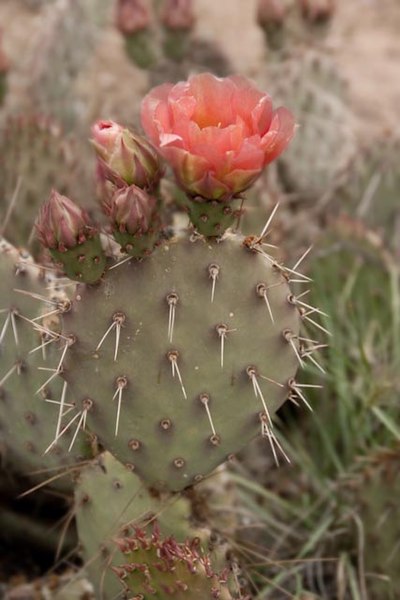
[132, 16]
[317, 11]
[4, 62]
[125, 158]
[178, 14]
[132, 210]
[270, 12]
[64, 228]
[62, 224]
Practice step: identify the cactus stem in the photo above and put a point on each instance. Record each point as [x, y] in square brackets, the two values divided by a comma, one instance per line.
[36, 297]
[172, 300]
[173, 359]
[252, 373]
[213, 271]
[205, 400]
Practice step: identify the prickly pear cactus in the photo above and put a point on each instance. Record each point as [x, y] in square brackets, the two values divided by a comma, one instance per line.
[110, 503]
[310, 85]
[369, 185]
[35, 157]
[169, 361]
[27, 423]
[57, 57]
[160, 568]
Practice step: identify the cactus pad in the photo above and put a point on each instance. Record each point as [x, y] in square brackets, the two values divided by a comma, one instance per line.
[181, 358]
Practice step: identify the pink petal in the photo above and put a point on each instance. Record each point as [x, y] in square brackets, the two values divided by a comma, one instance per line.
[154, 111]
[278, 137]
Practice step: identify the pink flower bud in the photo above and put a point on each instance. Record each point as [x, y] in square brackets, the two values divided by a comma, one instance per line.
[132, 16]
[125, 158]
[178, 14]
[61, 224]
[217, 134]
[4, 62]
[132, 210]
[317, 11]
[271, 12]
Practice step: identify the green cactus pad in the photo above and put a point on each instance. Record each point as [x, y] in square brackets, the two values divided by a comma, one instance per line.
[140, 49]
[110, 502]
[211, 218]
[177, 357]
[28, 419]
[310, 85]
[161, 568]
[86, 262]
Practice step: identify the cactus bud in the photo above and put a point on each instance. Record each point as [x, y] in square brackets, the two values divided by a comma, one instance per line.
[133, 19]
[124, 157]
[4, 67]
[132, 16]
[62, 224]
[270, 12]
[64, 228]
[134, 220]
[178, 14]
[271, 15]
[317, 11]
[132, 209]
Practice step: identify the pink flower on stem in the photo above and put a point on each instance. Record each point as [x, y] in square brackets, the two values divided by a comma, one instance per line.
[217, 134]
[132, 16]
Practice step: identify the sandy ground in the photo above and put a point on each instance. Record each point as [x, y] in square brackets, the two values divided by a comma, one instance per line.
[364, 39]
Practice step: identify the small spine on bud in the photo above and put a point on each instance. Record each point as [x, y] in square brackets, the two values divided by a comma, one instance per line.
[135, 222]
[65, 230]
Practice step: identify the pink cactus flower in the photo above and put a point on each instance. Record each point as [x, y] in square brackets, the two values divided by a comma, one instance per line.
[178, 14]
[217, 134]
[132, 16]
